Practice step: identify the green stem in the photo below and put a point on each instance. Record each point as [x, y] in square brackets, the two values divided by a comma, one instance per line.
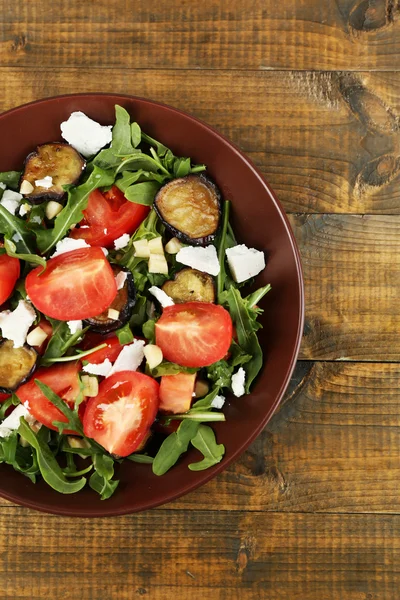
[199, 416]
[221, 249]
[256, 296]
[75, 356]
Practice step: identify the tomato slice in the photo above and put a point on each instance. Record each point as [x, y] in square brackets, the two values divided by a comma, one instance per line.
[63, 380]
[9, 273]
[111, 352]
[109, 215]
[176, 392]
[120, 416]
[194, 334]
[3, 397]
[75, 285]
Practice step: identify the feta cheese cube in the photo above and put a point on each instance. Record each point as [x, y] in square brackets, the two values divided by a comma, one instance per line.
[53, 209]
[85, 135]
[173, 246]
[244, 262]
[237, 382]
[11, 201]
[113, 314]
[74, 326]
[16, 324]
[122, 241]
[141, 249]
[67, 245]
[153, 354]
[161, 296]
[26, 187]
[102, 369]
[156, 246]
[36, 337]
[11, 423]
[203, 259]
[130, 358]
[90, 386]
[46, 182]
[218, 402]
[158, 264]
[120, 279]
[24, 209]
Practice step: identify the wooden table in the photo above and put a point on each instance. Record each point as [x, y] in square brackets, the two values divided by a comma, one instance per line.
[310, 90]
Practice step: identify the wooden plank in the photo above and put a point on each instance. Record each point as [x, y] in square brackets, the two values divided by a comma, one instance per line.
[332, 447]
[200, 555]
[326, 142]
[247, 34]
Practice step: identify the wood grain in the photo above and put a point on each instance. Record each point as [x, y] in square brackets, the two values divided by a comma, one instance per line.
[245, 34]
[326, 142]
[163, 555]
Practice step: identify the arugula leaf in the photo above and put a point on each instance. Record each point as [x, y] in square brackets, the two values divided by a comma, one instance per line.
[11, 179]
[213, 453]
[220, 373]
[169, 368]
[12, 401]
[181, 167]
[33, 259]
[74, 422]
[142, 193]
[160, 148]
[125, 335]
[143, 162]
[256, 296]
[71, 214]
[16, 228]
[136, 134]
[101, 481]
[20, 458]
[224, 241]
[121, 144]
[106, 159]
[201, 417]
[141, 458]
[78, 356]
[173, 446]
[61, 340]
[49, 467]
[205, 403]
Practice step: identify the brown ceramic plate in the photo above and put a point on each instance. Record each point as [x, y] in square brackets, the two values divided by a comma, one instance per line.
[258, 220]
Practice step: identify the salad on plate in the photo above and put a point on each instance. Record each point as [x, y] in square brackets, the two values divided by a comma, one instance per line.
[124, 318]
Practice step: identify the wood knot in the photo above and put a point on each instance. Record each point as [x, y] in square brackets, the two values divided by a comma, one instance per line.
[20, 43]
[377, 173]
[245, 553]
[371, 15]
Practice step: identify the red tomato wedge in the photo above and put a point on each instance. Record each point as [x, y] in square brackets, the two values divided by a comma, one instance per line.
[75, 285]
[109, 215]
[9, 273]
[120, 416]
[111, 351]
[63, 380]
[176, 392]
[194, 334]
[3, 397]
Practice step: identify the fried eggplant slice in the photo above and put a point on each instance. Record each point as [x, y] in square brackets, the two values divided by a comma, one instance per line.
[190, 208]
[16, 365]
[190, 285]
[56, 164]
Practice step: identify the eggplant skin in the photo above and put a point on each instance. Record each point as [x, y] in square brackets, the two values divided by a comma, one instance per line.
[190, 208]
[57, 160]
[190, 285]
[16, 365]
[123, 303]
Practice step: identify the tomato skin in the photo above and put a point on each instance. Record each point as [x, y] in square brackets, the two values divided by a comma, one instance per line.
[9, 273]
[194, 334]
[133, 400]
[176, 392]
[111, 212]
[3, 397]
[111, 352]
[63, 380]
[75, 285]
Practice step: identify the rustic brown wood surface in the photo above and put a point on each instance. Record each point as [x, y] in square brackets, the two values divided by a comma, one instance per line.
[311, 92]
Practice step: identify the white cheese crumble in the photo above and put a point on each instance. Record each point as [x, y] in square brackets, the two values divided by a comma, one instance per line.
[237, 382]
[17, 237]
[244, 262]
[102, 369]
[161, 296]
[11, 201]
[36, 219]
[2, 186]
[24, 209]
[11, 423]
[74, 326]
[122, 241]
[203, 259]
[130, 358]
[218, 402]
[15, 325]
[46, 182]
[84, 134]
[120, 279]
[67, 245]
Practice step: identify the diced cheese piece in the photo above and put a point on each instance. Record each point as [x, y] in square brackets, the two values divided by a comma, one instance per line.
[156, 246]
[2, 186]
[90, 386]
[67, 245]
[26, 187]
[158, 264]
[173, 246]
[24, 209]
[237, 382]
[36, 337]
[102, 369]
[153, 355]
[11, 201]
[122, 241]
[244, 262]
[17, 237]
[11, 423]
[85, 135]
[218, 402]
[77, 442]
[74, 326]
[203, 259]
[36, 219]
[16, 324]
[113, 314]
[161, 296]
[130, 358]
[53, 209]
[141, 249]
[46, 182]
[120, 279]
